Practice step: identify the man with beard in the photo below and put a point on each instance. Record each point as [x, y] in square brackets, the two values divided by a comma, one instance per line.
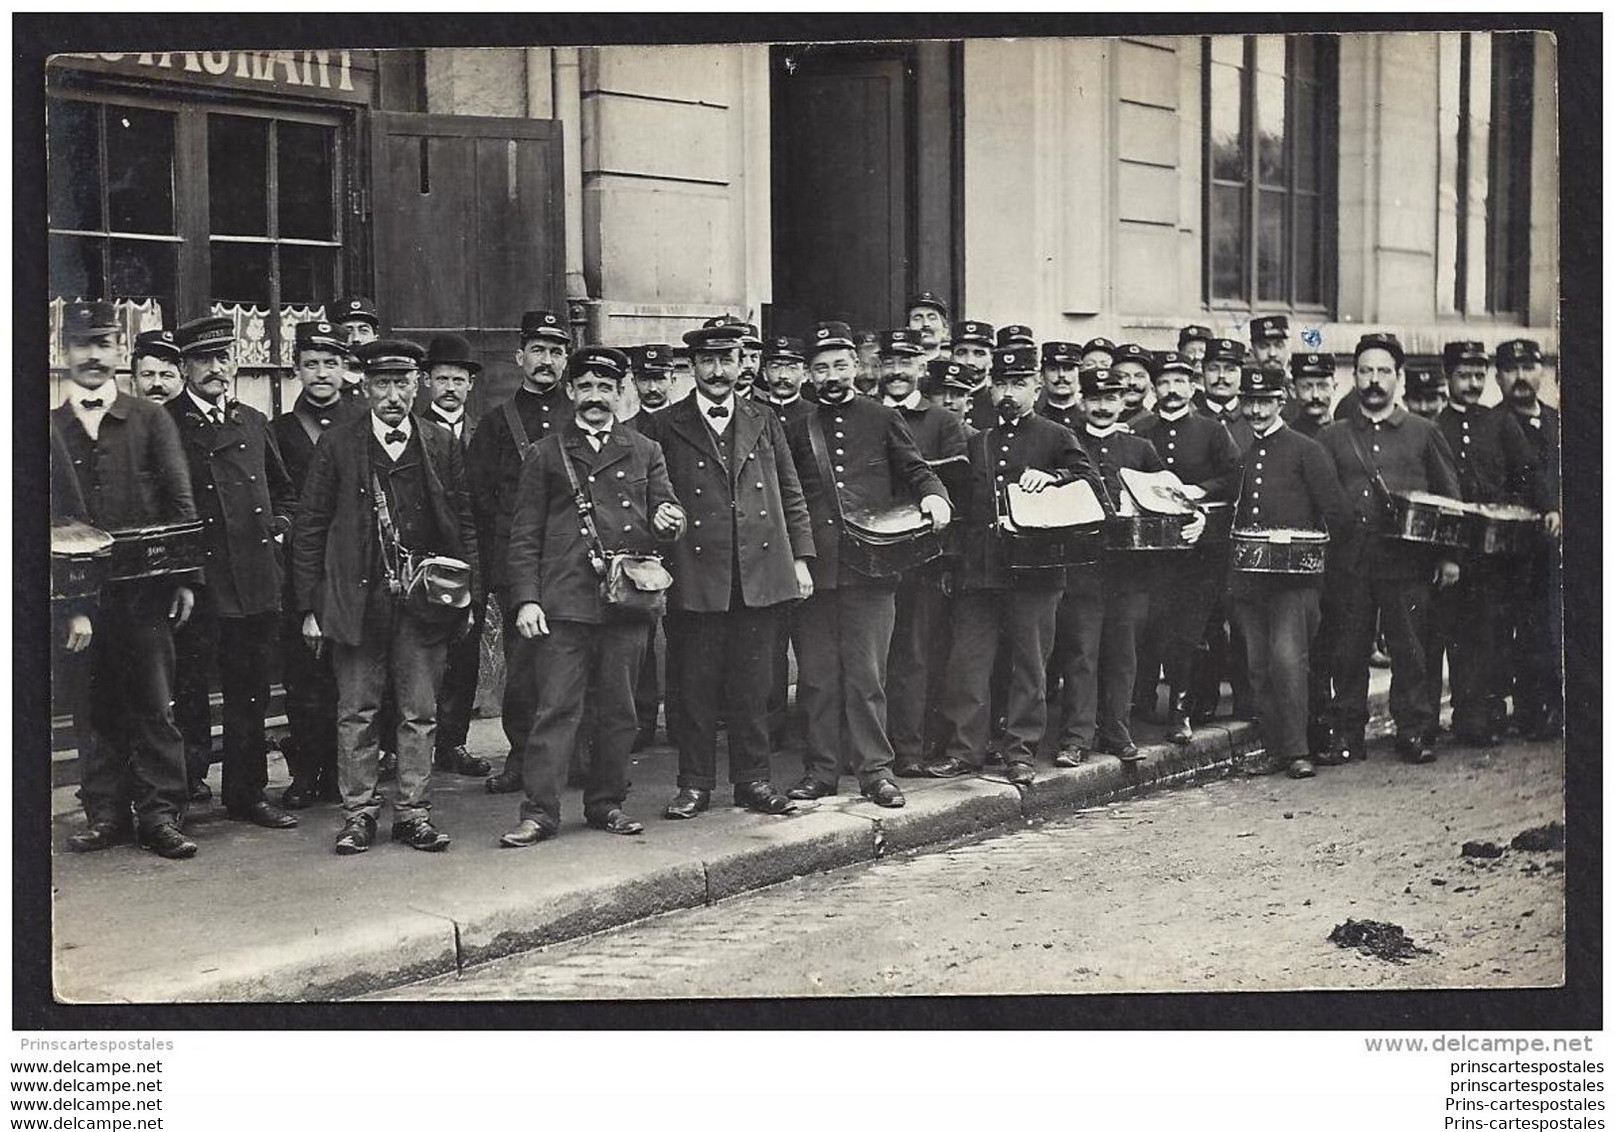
[245, 499]
[1202, 454]
[1312, 376]
[360, 323]
[503, 440]
[584, 649]
[1532, 633]
[973, 348]
[1132, 366]
[913, 681]
[320, 353]
[125, 457]
[745, 557]
[451, 372]
[996, 608]
[1289, 483]
[852, 454]
[1496, 464]
[1385, 449]
[155, 362]
[383, 488]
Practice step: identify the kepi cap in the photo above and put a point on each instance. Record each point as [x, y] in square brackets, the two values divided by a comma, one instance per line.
[1225, 350]
[902, 340]
[1455, 354]
[928, 299]
[1269, 327]
[1016, 334]
[389, 355]
[1061, 353]
[1098, 380]
[1261, 381]
[1008, 360]
[318, 334]
[211, 334]
[356, 308]
[1170, 361]
[941, 372]
[1312, 365]
[1194, 333]
[1380, 341]
[973, 332]
[656, 357]
[606, 360]
[1423, 379]
[545, 324]
[830, 336]
[1517, 352]
[156, 344]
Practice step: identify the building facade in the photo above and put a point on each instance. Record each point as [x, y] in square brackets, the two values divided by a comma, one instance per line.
[1087, 187]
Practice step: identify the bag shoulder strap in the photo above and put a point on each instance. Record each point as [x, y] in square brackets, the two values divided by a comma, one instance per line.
[821, 457]
[597, 549]
[518, 431]
[391, 551]
[1362, 458]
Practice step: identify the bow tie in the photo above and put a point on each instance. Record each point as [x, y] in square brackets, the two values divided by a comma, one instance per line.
[718, 411]
[396, 436]
[92, 403]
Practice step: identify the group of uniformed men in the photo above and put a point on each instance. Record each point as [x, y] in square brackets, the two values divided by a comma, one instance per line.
[742, 487]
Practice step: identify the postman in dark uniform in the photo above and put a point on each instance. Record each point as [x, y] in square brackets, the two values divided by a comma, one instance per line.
[853, 454]
[245, 499]
[1199, 452]
[1133, 367]
[1382, 576]
[126, 455]
[493, 464]
[973, 348]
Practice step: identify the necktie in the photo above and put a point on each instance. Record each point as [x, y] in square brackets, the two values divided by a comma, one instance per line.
[598, 439]
[92, 403]
[718, 411]
[396, 436]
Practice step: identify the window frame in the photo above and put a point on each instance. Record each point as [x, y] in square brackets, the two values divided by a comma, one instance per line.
[1326, 81]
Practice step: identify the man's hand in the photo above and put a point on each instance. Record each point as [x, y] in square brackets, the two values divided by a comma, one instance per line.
[530, 621]
[1035, 480]
[668, 520]
[1446, 575]
[938, 509]
[1553, 523]
[78, 632]
[312, 637]
[804, 579]
[179, 610]
[1194, 528]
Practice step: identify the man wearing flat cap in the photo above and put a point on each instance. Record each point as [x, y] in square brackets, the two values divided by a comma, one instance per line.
[321, 355]
[385, 491]
[1382, 450]
[745, 557]
[245, 499]
[125, 458]
[557, 558]
[504, 437]
[1533, 631]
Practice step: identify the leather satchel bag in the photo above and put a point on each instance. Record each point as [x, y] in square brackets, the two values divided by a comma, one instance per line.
[633, 586]
[438, 584]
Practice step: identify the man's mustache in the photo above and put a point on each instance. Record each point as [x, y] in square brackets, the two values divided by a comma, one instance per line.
[595, 405]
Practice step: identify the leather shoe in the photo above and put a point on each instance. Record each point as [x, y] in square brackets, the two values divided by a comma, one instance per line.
[457, 760]
[1180, 729]
[950, 767]
[1130, 754]
[615, 821]
[1262, 767]
[884, 792]
[909, 768]
[1021, 774]
[508, 780]
[420, 833]
[357, 835]
[265, 814]
[1300, 768]
[1415, 749]
[809, 789]
[1070, 755]
[688, 802]
[100, 835]
[527, 832]
[761, 797]
[300, 795]
[166, 840]
[199, 791]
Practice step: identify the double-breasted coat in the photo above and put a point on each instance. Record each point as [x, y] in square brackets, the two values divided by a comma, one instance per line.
[751, 512]
[244, 497]
[334, 543]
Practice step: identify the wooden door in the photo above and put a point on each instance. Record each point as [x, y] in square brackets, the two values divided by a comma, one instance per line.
[469, 232]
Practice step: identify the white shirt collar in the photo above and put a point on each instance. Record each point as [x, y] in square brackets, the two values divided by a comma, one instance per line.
[1217, 406]
[719, 424]
[208, 407]
[1101, 433]
[381, 428]
[1278, 423]
[912, 401]
[791, 400]
[1177, 416]
[451, 418]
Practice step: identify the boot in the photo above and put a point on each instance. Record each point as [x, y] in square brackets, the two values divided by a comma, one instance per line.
[1179, 729]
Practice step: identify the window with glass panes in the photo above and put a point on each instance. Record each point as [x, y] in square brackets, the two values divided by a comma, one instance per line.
[1270, 105]
[195, 205]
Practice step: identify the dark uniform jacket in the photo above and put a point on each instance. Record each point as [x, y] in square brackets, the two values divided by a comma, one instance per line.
[1238, 427]
[876, 466]
[1070, 416]
[493, 466]
[1542, 432]
[749, 515]
[335, 544]
[1496, 464]
[1306, 426]
[1198, 450]
[1410, 455]
[626, 481]
[66, 493]
[1118, 450]
[998, 456]
[245, 499]
[1289, 483]
[1140, 422]
[427, 411]
[293, 439]
[982, 413]
[794, 409]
